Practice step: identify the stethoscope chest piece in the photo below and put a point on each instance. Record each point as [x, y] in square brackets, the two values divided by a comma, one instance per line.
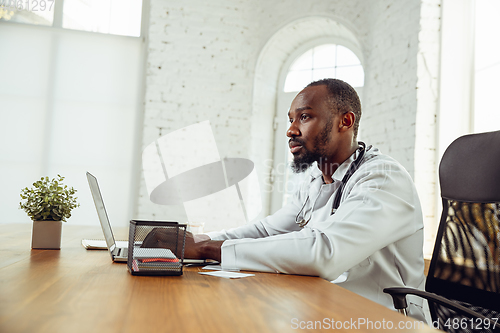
[336, 202]
[302, 223]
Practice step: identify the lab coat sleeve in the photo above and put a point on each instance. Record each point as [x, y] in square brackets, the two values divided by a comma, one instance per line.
[378, 208]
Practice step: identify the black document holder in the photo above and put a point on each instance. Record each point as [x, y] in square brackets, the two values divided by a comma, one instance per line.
[156, 247]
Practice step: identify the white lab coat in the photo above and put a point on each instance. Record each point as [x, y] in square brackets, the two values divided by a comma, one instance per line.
[373, 241]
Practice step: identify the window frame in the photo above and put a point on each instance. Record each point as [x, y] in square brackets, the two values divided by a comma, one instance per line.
[58, 20]
[310, 45]
[281, 123]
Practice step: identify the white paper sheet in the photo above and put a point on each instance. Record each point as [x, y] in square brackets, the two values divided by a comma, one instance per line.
[227, 275]
[218, 268]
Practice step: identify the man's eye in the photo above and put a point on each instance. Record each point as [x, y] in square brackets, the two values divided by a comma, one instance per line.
[304, 117]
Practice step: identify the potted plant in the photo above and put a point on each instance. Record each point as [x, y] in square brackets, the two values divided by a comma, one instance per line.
[48, 203]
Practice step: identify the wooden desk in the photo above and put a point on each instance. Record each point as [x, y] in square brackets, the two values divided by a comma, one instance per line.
[75, 290]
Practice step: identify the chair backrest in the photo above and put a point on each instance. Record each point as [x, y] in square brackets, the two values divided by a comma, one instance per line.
[465, 264]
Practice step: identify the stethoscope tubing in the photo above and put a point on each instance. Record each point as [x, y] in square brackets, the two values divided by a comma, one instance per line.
[338, 195]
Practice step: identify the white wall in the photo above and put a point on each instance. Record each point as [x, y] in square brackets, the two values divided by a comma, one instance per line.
[426, 124]
[203, 64]
[201, 58]
[218, 61]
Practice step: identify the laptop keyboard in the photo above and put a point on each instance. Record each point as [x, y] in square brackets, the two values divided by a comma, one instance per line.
[123, 252]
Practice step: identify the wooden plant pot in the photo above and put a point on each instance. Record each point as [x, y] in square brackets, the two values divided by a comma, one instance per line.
[46, 235]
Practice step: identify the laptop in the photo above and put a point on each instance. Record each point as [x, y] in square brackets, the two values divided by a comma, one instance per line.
[118, 254]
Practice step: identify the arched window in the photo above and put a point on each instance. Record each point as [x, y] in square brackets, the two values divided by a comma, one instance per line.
[322, 61]
[325, 61]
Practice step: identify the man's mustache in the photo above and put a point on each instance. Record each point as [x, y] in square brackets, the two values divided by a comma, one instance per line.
[296, 142]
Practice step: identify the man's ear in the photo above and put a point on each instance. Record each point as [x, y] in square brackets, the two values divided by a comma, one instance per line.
[347, 121]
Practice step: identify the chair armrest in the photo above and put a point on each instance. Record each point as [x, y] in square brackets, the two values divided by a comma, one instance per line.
[399, 299]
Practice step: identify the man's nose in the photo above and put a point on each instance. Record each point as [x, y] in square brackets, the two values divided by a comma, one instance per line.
[293, 130]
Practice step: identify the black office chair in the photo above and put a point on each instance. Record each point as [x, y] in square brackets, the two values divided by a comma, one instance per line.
[463, 282]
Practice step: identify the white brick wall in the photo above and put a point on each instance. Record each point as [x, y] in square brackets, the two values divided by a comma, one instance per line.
[203, 64]
[427, 108]
[388, 121]
[200, 60]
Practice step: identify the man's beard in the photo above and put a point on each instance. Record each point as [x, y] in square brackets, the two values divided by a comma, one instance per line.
[302, 162]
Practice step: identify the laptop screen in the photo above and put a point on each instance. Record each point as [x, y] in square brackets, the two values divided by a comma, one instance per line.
[101, 212]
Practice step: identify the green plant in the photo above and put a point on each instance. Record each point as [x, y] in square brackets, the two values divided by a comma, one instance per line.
[48, 200]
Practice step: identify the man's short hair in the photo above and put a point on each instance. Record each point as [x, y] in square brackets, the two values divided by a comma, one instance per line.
[343, 98]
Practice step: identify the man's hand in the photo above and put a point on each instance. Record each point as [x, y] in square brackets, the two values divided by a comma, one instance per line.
[196, 246]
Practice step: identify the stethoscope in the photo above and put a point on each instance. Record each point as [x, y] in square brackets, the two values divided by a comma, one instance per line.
[336, 201]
